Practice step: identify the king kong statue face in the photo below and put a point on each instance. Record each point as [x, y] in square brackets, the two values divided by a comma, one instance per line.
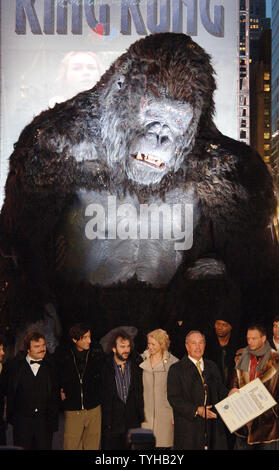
[151, 102]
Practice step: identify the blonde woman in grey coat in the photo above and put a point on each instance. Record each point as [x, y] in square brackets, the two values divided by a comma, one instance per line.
[157, 410]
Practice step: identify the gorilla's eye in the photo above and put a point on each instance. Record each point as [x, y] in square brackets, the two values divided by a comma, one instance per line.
[179, 123]
[151, 114]
[120, 82]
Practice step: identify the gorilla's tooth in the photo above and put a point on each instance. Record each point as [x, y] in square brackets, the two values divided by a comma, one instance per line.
[150, 159]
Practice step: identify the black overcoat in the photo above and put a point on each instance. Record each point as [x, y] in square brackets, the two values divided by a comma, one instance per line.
[186, 394]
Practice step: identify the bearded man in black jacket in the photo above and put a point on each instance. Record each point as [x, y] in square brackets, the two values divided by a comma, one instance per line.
[122, 392]
[80, 380]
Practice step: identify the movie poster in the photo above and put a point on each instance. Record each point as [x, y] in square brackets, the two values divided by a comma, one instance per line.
[53, 49]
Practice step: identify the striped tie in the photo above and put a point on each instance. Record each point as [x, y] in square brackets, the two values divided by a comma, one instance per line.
[200, 371]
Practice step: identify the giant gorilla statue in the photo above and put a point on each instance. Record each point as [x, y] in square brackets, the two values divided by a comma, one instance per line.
[142, 137]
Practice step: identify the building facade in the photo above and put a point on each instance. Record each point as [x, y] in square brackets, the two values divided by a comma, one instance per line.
[260, 79]
[275, 91]
[244, 73]
[260, 97]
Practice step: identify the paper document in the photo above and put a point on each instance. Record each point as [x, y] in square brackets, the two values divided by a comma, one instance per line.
[239, 408]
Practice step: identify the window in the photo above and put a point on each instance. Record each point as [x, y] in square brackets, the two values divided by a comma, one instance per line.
[266, 76]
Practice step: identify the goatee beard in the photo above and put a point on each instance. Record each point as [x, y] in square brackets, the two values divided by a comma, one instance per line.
[120, 357]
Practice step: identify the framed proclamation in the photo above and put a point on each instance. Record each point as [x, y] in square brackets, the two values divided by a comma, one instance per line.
[239, 408]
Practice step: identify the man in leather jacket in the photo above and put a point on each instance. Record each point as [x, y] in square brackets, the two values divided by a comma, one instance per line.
[258, 360]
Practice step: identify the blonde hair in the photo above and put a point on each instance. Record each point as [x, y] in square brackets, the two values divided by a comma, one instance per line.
[162, 337]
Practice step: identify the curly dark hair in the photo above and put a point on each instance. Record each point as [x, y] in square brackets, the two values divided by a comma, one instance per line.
[32, 336]
[121, 333]
[78, 330]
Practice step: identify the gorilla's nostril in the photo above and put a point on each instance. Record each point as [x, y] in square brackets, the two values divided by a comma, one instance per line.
[164, 140]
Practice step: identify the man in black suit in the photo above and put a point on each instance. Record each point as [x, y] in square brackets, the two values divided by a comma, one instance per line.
[122, 395]
[33, 395]
[194, 386]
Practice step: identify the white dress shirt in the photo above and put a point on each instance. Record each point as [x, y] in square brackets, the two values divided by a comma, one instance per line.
[195, 362]
[34, 367]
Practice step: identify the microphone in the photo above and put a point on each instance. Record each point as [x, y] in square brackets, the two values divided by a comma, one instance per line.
[204, 380]
[205, 387]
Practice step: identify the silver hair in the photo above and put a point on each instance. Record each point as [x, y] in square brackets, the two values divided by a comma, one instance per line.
[192, 332]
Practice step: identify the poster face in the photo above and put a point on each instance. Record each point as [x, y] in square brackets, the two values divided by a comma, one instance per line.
[53, 49]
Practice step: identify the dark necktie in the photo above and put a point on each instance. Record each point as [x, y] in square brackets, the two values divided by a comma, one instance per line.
[35, 362]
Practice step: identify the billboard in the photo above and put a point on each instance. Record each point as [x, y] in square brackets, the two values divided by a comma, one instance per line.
[53, 49]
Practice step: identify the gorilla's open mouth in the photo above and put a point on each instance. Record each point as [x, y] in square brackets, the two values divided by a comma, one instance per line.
[155, 162]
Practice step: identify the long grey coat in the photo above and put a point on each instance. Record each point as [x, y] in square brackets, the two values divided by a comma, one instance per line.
[157, 410]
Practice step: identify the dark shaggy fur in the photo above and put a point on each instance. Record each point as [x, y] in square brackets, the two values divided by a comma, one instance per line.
[83, 144]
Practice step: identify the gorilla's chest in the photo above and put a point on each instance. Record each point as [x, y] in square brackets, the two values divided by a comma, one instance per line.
[106, 239]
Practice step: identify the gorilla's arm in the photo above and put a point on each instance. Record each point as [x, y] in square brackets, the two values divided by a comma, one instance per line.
[55, 155]
[51, 159]
[238, 200]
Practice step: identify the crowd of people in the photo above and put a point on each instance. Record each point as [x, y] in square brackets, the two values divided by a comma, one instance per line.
[110, 394]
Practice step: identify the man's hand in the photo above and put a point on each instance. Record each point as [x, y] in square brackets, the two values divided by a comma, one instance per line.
[62, 394]
[233, 390]
[209, 414]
